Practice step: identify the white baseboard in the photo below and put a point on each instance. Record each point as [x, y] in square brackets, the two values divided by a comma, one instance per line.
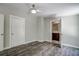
[7, 48]
[12, 47]
[26, 43]
[70, 45]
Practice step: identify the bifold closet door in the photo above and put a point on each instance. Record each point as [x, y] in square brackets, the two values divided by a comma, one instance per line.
[1, 31]
[17, 30]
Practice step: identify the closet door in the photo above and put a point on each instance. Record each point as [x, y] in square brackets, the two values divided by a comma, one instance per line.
[17, 30]
[1, 32]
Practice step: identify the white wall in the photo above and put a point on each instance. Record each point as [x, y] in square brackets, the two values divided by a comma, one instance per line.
[31, 28]
[37, 28]
[70, 30]
[47, 30]
[43, 29]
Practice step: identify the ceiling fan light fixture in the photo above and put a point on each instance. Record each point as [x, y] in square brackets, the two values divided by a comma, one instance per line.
[33, 11]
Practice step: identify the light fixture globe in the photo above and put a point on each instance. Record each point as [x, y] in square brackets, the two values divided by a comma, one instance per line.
[33, 11]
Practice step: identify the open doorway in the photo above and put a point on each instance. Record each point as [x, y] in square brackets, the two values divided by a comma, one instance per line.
[56, 31]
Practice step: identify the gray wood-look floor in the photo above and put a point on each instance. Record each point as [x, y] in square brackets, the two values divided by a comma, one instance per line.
[40, 49]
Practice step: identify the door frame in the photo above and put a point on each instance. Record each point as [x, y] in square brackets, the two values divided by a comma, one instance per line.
[2, 32]
[52, 27]
[10, 42]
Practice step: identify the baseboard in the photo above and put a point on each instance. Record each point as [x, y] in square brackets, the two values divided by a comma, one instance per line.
[25, 43]
[70, 45]
[7, 48]
[44, 40]
[12, 47]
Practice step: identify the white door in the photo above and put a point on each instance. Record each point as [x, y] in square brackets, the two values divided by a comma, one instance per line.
[1, 31]
[17, 30]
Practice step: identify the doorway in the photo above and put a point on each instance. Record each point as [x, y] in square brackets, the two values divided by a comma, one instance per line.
[56, 31]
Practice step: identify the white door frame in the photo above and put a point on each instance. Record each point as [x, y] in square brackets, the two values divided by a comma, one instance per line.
[51, 30]
[11, 33]
[1, 32]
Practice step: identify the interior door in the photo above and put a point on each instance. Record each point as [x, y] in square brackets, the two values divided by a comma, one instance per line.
[1, 31]
[17, 31]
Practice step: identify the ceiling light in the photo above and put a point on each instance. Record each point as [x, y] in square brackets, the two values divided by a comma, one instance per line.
[34, 10]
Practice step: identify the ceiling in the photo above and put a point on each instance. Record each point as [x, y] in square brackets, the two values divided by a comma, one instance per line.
[46, 9]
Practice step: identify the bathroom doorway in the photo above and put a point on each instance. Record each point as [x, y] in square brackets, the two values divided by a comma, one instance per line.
[56, 31]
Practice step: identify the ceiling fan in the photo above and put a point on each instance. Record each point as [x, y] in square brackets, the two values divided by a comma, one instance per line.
[34, 10]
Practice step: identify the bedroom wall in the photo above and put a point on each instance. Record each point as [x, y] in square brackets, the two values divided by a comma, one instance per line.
[43, 29]
[31, 28]
[40, 29]
[70, 31]
[37, 28]
[47, 30]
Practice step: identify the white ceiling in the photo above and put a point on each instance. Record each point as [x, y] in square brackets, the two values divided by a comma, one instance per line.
[46, 9]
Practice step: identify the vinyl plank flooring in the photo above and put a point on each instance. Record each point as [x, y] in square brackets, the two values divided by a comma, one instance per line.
[40, 49]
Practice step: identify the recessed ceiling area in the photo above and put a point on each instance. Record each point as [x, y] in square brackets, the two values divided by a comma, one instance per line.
[46, 9]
